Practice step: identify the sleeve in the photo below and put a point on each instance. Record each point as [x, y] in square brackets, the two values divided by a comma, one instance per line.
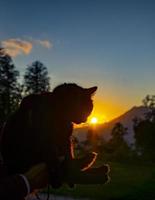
[13, 187]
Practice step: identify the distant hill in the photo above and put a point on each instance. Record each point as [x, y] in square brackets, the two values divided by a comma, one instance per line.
[105, 129]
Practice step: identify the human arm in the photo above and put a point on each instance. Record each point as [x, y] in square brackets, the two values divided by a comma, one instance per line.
[18, 186]
[13, 187]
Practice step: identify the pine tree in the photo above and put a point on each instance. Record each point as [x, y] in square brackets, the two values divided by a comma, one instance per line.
[10, 89]
[36, 78]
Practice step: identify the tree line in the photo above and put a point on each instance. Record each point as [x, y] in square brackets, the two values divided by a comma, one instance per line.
[35, 80]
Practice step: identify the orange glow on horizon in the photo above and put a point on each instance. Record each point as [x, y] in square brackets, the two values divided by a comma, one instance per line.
[104, 112]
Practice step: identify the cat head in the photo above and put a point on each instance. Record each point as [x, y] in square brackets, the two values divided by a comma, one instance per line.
[76, 102]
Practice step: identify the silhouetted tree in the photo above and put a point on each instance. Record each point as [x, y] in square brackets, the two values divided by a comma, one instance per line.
[145, 137]
[145, 131]
[149, 103]
[36, 78]
[118, 132]
[10, 89]
[117, 146]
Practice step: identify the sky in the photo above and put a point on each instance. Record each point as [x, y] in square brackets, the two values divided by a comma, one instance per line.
[107, 43]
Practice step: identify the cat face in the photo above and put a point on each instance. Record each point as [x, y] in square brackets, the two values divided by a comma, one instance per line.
[83, 105]
[77, 101]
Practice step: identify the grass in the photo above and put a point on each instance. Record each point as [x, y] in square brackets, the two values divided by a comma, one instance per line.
[128, 181]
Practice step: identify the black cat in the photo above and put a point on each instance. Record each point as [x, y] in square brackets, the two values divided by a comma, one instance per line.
[41, 130]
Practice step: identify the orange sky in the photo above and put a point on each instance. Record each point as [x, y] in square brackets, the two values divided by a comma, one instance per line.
[107, 110]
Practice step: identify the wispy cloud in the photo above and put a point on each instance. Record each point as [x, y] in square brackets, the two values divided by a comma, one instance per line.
[44, 43]
[17, 46]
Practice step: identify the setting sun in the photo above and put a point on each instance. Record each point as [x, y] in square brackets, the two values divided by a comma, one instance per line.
[96, 118]
[93, 120]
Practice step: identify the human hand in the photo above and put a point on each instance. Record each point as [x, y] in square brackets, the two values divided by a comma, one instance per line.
[38, 176]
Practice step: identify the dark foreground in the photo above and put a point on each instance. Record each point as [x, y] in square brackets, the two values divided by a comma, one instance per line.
[128, 182]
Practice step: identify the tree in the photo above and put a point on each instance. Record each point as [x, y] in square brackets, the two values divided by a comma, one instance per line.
[36, 78]
[118, 132]
[10, 89]
[145, 131]
[145, 137]
[149, 103]
[117, 146]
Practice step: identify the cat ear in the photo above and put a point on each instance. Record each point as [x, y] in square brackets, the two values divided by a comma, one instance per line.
[91, 91]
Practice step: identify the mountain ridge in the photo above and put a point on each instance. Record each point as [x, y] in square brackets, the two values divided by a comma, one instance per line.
[104, 130]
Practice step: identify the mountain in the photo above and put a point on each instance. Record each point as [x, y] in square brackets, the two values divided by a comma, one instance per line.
[104, 130]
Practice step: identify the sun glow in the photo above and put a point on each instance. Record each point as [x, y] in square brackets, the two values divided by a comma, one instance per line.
[94, 120]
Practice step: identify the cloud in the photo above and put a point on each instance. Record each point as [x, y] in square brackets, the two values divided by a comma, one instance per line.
[44, 43]
[15, 47]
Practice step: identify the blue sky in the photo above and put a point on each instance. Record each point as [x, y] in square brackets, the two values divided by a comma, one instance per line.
[106, 43]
